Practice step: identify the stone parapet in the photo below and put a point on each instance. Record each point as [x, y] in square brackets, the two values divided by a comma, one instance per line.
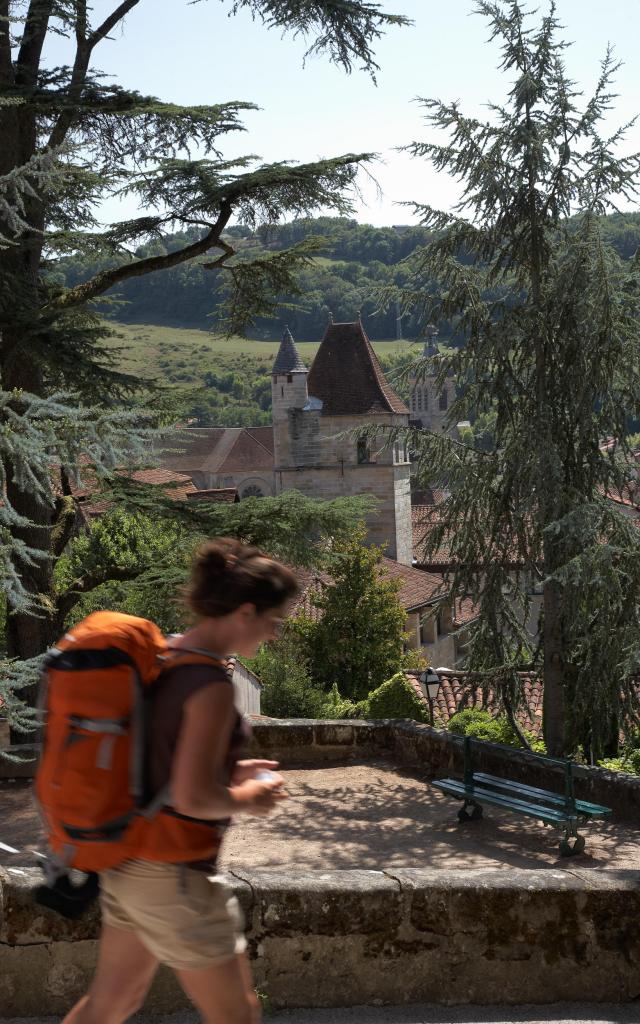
[340, 938]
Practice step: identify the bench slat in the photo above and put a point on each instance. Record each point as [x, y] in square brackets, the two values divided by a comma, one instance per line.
[582, 806]
[456, 788]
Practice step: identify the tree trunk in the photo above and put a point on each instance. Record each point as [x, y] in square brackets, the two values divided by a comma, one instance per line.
[554, 695]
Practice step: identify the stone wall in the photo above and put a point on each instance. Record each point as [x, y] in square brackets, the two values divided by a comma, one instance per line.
[340, 938]
[334, 938]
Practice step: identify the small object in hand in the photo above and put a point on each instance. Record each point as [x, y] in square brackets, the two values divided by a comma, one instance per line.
[265, 776]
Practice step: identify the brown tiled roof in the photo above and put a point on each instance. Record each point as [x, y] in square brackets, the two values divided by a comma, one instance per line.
[424, 518]
[262, 434]
[191, 449]
[346, 375]
[465, 612]
[418, 588]
[216, 494]
[458, 690]
[175, 485]
[246, 454]
[217, 450]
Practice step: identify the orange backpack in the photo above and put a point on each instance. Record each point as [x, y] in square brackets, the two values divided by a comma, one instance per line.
[91, 783]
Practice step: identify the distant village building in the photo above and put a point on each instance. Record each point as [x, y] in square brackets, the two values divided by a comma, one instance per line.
[223, 457]
[314, 413]
[429, 403]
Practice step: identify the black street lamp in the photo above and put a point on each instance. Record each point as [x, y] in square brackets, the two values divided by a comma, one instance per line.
[431, 682]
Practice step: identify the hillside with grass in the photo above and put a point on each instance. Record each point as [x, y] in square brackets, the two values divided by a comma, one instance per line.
[213, 380]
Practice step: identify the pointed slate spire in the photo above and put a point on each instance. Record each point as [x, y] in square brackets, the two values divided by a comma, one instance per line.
[288, 359]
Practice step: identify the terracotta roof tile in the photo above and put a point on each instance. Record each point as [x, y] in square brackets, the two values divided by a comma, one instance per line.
[459, 690]
[262, 434]
[346, 375]
[216, 494]
[245, 455]
[217, 450]
[418, 587]
[175, 485]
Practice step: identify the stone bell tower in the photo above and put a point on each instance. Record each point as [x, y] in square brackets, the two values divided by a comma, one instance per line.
[288, 397]
[428, 404]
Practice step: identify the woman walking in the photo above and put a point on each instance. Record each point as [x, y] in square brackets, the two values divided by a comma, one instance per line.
[178, 912]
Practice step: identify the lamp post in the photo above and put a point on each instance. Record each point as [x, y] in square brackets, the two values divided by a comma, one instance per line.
[431, 682]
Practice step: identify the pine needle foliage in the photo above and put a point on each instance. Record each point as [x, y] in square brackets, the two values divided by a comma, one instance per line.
[549, 320]
[71, 139]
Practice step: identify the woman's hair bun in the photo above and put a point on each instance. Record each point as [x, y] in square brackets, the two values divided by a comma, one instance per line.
[213, 558]
[227, 573]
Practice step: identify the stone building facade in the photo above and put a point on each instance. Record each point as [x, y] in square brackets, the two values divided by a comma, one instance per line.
[429, 403]
[314, 412]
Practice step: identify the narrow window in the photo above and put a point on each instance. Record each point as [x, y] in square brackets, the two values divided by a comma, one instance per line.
[289, 378]
[363, 450]
[444, 401]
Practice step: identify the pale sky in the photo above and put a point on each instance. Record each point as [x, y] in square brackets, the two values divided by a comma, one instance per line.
[196, 54]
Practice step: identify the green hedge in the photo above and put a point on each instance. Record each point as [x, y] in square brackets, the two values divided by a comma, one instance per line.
[396, 699]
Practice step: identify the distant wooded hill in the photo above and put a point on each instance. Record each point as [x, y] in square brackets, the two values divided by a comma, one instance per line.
[346, 276]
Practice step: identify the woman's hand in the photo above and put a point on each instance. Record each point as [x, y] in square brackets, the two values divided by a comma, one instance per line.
[258, 798]
[249, 769]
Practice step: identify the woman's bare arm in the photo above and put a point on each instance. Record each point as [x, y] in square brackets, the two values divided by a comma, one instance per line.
[201, 751]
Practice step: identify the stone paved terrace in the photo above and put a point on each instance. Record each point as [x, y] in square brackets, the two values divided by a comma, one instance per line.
[372, 815]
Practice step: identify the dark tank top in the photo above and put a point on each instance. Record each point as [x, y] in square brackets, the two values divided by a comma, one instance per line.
[173, 689]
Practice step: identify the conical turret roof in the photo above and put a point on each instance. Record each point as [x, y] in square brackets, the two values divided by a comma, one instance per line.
[288, 359]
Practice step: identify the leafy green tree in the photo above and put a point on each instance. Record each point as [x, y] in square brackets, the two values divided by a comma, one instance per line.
[70, 138]
[551, 320]
[283, 669]
[357, 641]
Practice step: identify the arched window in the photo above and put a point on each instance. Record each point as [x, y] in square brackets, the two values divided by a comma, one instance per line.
[252, 491]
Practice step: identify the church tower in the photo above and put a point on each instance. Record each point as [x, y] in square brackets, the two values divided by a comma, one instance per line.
[429, 404]
[313, 417]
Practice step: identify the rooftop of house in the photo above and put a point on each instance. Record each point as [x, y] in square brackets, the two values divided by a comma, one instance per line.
[347, 377]
[174, 485]
[460, 690]
[218, 450]
[417, 588]
[228, 495]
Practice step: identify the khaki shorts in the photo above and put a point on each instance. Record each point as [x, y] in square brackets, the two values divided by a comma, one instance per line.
[187, 919]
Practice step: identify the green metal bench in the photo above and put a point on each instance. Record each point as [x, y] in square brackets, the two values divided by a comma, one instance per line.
[560, 810]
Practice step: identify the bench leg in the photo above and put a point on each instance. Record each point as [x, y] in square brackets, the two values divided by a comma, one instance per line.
[474, 814]
[569, 849]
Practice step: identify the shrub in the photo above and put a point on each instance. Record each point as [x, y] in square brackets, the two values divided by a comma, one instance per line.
[396, 699]
[336, 706]
[628, 762]
[479, 724]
